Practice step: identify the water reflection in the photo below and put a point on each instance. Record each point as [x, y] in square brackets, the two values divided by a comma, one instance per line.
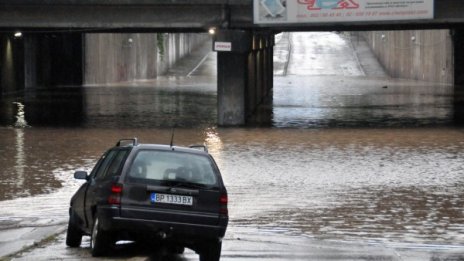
[299, 102]
[20, 116]
[213, 141]
[321, 101]
[145, 107]
[20, 158]
[54, 106]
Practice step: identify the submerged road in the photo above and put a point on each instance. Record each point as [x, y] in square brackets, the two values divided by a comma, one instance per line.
[254, 244]
[295, 193]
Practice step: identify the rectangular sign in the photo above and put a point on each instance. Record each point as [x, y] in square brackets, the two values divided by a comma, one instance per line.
[223, 46]
[322, 11]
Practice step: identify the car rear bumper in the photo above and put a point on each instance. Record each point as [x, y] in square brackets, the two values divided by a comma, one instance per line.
[110, 220]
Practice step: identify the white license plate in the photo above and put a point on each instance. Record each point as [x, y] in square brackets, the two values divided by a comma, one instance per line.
[171, 199]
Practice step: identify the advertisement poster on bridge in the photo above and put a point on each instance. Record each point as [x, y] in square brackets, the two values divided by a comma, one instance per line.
[322, 11]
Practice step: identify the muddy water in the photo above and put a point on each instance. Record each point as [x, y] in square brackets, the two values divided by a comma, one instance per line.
[394, 185]
[344, 158]
[360, 102]
[398, 185]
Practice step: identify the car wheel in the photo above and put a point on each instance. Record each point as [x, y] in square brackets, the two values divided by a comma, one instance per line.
[99, 240]
[211, 251]
[73, 234]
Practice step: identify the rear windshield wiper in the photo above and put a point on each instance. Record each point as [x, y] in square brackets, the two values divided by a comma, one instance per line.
[186, 184]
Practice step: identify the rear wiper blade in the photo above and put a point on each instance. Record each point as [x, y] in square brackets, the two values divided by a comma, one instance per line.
[187, 184]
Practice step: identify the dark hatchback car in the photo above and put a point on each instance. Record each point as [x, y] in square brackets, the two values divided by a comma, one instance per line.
[156, 194]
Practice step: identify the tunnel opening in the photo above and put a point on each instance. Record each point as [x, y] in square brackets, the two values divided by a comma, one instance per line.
[321, 79]
[364, 79]
[110, 80]
[146, 80]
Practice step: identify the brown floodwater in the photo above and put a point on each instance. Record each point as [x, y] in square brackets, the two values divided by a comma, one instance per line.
[394, 185]
[343, 158]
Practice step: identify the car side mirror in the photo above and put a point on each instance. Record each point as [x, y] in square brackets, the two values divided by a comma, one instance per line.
[80, 174]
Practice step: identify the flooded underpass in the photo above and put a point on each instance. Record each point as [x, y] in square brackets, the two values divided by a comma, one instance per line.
[366, 163]
[390, 186]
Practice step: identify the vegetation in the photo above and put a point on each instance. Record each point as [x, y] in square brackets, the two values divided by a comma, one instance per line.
[160, 44]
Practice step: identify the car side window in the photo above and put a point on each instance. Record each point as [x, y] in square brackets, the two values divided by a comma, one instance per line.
[104, 165]
[97, 166]
[115, 165]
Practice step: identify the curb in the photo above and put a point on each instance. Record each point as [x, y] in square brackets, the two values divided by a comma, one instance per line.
[16, 240]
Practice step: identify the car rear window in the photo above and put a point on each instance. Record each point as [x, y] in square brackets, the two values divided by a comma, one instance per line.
[159, 166]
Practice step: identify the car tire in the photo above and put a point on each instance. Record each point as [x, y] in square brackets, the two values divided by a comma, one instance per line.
[211, 251]
[73, 234]
[99, 240]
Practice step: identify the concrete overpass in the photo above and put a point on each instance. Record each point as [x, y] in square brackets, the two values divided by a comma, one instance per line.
[245, 72]
[183, 15]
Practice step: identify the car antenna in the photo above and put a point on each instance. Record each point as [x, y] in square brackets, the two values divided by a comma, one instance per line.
[172, 136]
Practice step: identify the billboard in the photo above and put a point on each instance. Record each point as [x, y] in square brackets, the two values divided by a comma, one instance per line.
[321, 11]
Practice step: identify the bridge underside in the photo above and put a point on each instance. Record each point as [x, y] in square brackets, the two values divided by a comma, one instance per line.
[183, 15]
[244, 74]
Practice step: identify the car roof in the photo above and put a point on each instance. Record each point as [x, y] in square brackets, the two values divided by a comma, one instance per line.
[170, 148]
[195, 149]
[136, 145]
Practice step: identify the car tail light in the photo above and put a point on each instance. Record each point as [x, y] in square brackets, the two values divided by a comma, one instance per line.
[223, 200]
[115, 196]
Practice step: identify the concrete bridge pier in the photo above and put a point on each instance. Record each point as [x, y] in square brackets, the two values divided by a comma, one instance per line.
[245, 74]
[458, 47]
[262, 68]
[30, 61]
[11, 64]
[458, 42]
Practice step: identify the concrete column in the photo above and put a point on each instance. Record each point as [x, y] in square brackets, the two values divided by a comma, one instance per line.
[245, 75]
[259, 71]
[262, 111]
[233, 69]
[11, 64]
[458, 52]
[259, 92]
[270, 64]
[266, 68]
[252, 78]
[7, 68]
[232, 83]
[458, 45]
[30, 61]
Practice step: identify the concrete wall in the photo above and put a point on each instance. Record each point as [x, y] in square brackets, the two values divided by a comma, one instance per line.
[11, 66]
[176, 46]
[425, 55]
[111, 58]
